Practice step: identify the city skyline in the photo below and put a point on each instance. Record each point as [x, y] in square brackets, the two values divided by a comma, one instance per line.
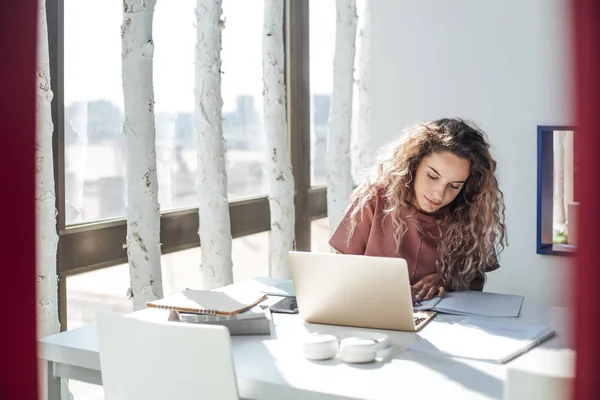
[93, 52]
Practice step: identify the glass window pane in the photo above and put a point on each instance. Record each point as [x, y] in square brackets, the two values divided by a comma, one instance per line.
[319, 236]
[322, 45]
[250, 254]
[174, 103]
[94, 145]
[106, 289]
[564, 203]
[242, 88]
[101, 290]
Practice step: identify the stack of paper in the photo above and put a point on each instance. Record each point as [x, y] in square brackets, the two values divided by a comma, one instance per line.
[479, 339]
[252, 322]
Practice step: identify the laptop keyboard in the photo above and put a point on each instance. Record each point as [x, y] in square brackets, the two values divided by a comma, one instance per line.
[418, 320]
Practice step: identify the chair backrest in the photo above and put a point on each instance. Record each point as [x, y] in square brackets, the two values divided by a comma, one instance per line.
[546, 377]
[164, 360]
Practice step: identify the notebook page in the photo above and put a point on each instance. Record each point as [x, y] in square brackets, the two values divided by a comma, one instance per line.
[493, 341]
[474, 303]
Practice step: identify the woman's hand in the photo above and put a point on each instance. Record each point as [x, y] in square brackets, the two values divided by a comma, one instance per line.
[428, 287]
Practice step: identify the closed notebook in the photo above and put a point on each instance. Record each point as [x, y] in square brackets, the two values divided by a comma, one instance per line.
[474, 303]
[226, 302]
[478, 339]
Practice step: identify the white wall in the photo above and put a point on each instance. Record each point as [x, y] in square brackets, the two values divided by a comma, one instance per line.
[503, 64]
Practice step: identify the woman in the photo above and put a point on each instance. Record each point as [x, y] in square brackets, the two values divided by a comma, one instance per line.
[433, 199]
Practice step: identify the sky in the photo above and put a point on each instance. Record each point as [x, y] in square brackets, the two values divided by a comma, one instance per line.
[93, 51]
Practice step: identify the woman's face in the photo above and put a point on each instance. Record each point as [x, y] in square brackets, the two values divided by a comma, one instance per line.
[439, 179]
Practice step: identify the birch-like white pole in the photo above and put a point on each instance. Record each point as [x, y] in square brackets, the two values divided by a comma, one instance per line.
[143, 212]
[215, 229]
[339, 169]
[45, 200]
[363, 152]
[279, 168]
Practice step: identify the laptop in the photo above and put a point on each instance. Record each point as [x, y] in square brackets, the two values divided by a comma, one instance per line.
[352, 290]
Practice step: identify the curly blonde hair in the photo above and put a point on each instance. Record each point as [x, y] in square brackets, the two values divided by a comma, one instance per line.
[471, 227]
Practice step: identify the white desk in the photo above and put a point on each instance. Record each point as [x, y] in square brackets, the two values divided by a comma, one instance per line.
[269, 368]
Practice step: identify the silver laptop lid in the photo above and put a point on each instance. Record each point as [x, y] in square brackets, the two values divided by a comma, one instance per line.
[351, 290]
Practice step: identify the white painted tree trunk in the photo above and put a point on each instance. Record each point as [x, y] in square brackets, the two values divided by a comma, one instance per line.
[76, 157]
[45, 199]
[363, 151]
[46, 235]
[215, 228]
[339, 170]
[143, 213]
[279, 168]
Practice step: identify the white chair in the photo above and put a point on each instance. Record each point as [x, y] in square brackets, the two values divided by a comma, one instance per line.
[164, 360]
[548, 377]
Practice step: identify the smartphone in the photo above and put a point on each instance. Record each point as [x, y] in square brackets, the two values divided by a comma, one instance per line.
[288, 305]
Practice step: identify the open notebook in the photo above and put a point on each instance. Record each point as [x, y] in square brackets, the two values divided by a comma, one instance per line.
[474, 303]
[478, 339]
[226, 302]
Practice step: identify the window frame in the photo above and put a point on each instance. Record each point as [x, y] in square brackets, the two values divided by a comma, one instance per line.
[545, 193]
[97, 245]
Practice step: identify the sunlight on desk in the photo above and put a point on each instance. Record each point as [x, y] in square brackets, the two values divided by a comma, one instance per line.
[275, 368]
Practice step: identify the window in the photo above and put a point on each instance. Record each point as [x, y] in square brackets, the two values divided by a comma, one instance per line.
[242, 100]
[87, 111]
[557, 203]
[106, 289]
[95, 159]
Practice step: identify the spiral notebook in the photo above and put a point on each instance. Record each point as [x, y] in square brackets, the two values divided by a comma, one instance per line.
[474, 303]
[225, 302]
